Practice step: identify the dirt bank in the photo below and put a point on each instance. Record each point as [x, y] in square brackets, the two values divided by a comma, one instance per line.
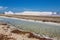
[8, 32]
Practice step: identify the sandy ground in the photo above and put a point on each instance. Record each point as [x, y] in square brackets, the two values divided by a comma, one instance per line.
[8, 32]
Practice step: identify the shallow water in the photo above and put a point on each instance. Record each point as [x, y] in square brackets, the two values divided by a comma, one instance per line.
[37, 27]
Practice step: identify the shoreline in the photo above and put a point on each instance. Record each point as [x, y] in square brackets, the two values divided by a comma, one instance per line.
[32, 21]
[54, 19]
[8, 30]
[52, 23]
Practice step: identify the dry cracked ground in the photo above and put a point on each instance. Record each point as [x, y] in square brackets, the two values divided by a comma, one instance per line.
[8, 32]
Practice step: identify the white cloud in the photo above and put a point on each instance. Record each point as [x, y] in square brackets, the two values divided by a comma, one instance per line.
[2, 8]
[36, 13]
[31, 13]
[9, 12]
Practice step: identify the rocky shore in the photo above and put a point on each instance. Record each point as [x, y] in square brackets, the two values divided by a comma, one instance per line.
[8, 32]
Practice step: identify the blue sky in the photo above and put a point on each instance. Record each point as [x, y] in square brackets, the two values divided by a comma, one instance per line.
[29, 5]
